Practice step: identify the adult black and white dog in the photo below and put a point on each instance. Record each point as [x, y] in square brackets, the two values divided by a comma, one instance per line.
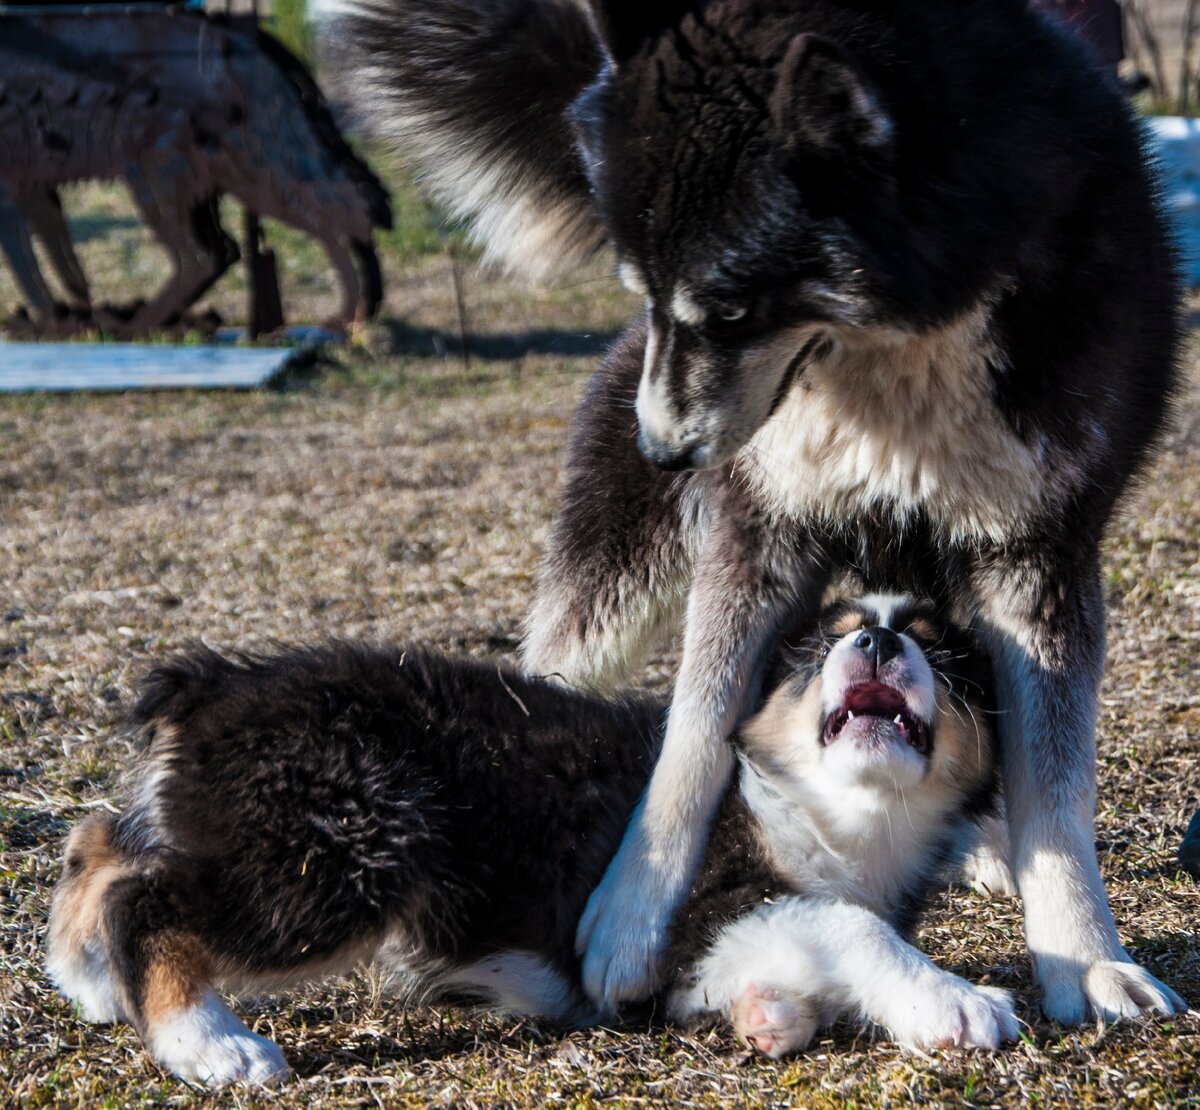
[909, 301]
[296, 814]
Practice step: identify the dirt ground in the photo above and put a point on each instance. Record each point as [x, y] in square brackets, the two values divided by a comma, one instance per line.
[394, 493]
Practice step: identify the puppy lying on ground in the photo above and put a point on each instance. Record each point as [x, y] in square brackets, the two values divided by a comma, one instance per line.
[294, 815]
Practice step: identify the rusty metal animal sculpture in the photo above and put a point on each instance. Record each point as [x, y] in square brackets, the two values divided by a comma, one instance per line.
[183, 107]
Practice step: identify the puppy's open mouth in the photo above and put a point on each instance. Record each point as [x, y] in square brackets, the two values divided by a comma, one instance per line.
[876, 704]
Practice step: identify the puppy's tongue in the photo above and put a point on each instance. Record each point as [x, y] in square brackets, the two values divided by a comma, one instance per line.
[874, 699]
[875, 705]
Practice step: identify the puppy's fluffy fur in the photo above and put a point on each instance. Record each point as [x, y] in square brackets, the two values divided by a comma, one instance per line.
[295, 814]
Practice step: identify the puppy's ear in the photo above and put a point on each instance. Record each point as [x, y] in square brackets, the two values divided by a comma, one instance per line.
[823, 99]
[625, 26]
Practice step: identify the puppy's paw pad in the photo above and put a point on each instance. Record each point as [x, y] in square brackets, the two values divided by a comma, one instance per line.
[207, 1044]
[953, 1013]
[776, 1023]
[1118, 989]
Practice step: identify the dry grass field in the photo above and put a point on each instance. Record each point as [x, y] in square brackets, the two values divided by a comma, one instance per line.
[392, 492]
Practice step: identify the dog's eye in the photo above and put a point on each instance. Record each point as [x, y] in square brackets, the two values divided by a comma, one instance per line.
[732, 313]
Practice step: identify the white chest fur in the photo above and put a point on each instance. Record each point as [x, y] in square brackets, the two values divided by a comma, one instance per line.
[861, 846]
[900, 422]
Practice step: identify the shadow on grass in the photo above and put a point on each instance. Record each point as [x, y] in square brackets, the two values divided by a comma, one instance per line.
[499, 347]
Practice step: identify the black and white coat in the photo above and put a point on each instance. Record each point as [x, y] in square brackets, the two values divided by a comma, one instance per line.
[910, 312]
[293, 815]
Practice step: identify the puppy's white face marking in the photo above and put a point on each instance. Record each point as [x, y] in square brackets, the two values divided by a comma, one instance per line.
[872, 750]
[657, 412]
[876, 719]
[206, 1043]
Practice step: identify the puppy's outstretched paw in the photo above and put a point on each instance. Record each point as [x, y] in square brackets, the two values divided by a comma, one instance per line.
[776, 1023]
[1107, 989]
[207, 1044]
[949, 1012]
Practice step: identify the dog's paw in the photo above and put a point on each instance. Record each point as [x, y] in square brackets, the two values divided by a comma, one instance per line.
[949, 1012]
[988, 874]
[1107, 989]
[776, 1023]
[207, 1044]
[621, 934]
[622, 931]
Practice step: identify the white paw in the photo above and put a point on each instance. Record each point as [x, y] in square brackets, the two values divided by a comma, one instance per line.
[85, 980]
[988, 874]
[945, 1011]
[207, 1044]
[621, 932]
[1106, 989]
[777, 1023]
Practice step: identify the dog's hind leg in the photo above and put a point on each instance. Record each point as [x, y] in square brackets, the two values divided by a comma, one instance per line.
[75, 957]
[620, 557]
[751, 575]
[1043, 618]
[163, 979]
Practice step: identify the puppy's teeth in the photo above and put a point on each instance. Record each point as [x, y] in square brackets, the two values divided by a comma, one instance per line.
[849, 714]
[899, 720]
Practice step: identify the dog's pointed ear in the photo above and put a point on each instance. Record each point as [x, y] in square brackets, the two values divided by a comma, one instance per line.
[624, 26]
[823, 98]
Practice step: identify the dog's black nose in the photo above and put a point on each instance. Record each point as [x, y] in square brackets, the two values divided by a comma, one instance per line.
[662, 455]
[881, 644]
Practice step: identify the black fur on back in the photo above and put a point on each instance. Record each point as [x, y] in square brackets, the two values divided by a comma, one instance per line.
[291, 807]
[306, 800]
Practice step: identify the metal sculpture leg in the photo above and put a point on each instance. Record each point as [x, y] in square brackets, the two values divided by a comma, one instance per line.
[18, 249]
[43, 212]
[200, 250]
[353, 307]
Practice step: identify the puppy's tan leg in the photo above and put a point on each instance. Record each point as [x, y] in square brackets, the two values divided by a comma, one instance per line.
[75, 957]
[163, 978]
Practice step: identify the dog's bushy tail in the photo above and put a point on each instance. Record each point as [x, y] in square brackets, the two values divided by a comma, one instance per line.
[474, 95]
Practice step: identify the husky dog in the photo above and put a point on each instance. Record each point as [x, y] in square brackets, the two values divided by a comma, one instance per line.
[909, 302]
[295, 814]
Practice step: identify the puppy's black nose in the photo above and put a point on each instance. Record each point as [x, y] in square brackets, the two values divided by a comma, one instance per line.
[881, 644]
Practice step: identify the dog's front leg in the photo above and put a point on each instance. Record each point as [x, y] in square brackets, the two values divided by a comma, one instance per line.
[785, 969]
[1045, 625]
[747, 579]
[620, 557]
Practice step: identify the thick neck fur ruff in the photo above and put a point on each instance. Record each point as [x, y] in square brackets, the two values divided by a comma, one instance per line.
[900, 422]
[873, 848]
